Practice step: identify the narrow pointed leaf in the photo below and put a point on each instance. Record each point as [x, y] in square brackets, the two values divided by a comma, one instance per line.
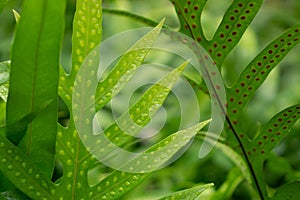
[235, 22]
[138, 115]
[133, 16]
[189, 14]
[16, 15]
[192, 193]
[251, 79]
[34, 67]
[258, 70]
[87, 32]
[161, 153]
[277, 128]
[126, 67]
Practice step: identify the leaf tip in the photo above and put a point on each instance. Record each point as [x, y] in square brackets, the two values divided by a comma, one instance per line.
[16, 15]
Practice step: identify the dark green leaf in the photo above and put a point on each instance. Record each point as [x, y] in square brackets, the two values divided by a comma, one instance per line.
[132, 16]
[277, 128]
[189, 14]
[234, 23]
[16, 130]
[260, 67]
[288, 192]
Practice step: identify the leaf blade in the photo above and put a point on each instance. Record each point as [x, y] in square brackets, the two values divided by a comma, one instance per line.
[126, 67]
[234, 23]
[290, 191]
[191, 193]
[23, 172]
[35, 53]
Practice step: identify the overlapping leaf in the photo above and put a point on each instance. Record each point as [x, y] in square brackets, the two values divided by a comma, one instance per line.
[34, 77]
[117, 183]
[139, 114]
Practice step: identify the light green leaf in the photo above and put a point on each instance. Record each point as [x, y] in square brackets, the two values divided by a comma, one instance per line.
[20, 170]
[161, 153]
[16, 15]
[4, 92]
[134, 120]
[188, 194]
[4, 76]
[87, 34]
[4, 72]
[116, 184]
[126, 67]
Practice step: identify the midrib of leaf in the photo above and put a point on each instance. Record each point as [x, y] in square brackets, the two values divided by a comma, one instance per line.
[35, 76]
[78, 143]
[244, 144]
[66, 90]
[32, 59]
[240, 6]
[254, 177]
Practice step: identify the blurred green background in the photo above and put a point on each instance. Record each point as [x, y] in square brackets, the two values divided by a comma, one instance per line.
[280, 90]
